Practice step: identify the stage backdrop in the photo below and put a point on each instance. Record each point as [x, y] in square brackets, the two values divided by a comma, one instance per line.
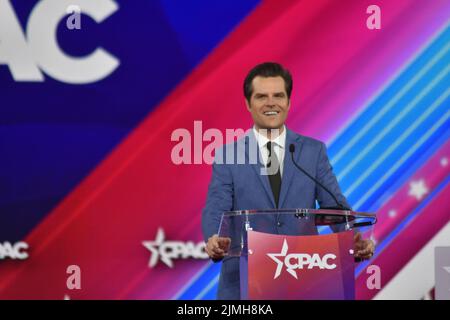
[92, 203]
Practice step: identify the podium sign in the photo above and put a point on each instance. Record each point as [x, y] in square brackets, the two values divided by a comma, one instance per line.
[295, 253]
[299, 267]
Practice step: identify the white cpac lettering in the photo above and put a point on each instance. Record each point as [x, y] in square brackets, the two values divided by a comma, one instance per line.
[39, 50]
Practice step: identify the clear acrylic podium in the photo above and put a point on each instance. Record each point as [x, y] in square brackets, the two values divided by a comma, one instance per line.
[295, 254]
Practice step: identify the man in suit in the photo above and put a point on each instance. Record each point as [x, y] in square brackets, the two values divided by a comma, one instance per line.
[272, 181]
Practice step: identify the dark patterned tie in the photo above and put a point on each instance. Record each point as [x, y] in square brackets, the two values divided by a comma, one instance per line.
[273, 170]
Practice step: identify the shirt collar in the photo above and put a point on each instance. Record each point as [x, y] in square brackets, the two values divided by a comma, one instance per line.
[262, 140]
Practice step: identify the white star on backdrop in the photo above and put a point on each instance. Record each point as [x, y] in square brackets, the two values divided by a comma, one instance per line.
[418, 189]
[392, 213]
[153, 246]
[444, 161]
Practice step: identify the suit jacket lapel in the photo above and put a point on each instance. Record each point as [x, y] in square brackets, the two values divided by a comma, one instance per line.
[288, 166]
[259, 167]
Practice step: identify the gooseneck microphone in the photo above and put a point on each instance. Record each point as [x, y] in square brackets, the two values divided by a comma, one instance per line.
[339, 205]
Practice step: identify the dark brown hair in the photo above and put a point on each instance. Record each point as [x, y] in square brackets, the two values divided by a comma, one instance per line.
[266, 70]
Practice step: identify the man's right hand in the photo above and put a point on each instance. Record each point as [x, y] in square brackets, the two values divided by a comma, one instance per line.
[217, 247]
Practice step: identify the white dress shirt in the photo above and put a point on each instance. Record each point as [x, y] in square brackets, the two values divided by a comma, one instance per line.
[279, 147]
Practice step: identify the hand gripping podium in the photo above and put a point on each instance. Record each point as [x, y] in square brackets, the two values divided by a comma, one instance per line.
[295, 254]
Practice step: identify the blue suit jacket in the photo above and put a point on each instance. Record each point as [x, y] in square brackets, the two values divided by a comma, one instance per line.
[242, 187]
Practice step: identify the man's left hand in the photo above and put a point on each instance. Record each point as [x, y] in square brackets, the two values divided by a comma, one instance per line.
[364, 249]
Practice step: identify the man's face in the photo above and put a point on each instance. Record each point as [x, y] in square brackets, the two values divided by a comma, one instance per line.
[269, 103]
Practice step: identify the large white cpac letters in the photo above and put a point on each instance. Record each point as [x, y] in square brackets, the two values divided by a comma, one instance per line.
[43, 51]
[13, 47]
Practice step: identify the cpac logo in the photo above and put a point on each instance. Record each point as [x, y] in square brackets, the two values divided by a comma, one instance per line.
[166, 251]
[295, 261]
[13, 251]
[39, 50]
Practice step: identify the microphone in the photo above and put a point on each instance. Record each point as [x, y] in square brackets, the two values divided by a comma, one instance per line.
[339, 205]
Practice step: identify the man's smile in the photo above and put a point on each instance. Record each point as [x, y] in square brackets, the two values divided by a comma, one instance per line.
[271, 113]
